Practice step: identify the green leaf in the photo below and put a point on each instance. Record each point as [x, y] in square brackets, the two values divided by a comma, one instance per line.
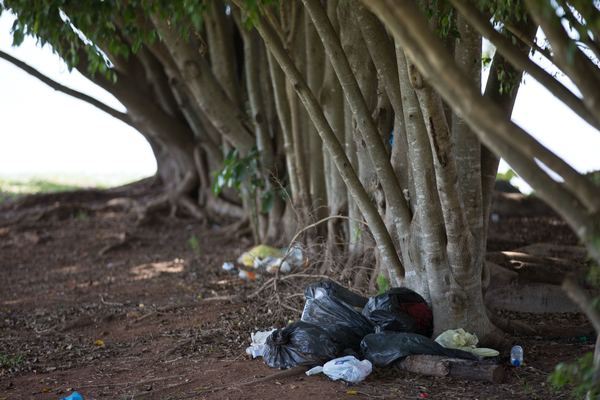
[383, 283]
[151, 37]
[18, 37]
[268, 201]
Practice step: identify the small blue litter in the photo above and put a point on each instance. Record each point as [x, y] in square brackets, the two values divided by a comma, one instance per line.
[392, 139]
[73, 396]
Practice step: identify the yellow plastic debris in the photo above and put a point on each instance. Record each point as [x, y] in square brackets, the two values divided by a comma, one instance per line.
[461, 340]
[261, 251]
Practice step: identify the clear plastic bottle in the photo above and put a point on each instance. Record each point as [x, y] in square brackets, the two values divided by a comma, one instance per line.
[516, 356]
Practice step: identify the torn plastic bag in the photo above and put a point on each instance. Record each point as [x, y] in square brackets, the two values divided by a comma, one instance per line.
[335, 290]
[400, 310]
[346, 326]
[299, 343]
[384, 349]
[257, 343]
[461, 340]
[348, 368]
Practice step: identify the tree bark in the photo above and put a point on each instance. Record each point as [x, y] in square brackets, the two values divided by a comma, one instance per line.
[375, 146]
[375, 222]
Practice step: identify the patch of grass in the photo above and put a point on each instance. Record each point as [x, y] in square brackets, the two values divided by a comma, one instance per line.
[17, 185]
[7, 361]
[383, 283]
[194, 244]
[528, 388]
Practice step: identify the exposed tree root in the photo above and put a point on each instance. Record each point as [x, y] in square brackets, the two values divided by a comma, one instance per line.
[533, 269]
[125, 238]
[58, 212]
[191, 304]
[509, 326]
[124, 204]
[295, 371]
[223, 208]
[80, 322]
[519, 205]
[576, 254]
[177, 198]
[174, 349]
[237, 230]
[534, 298]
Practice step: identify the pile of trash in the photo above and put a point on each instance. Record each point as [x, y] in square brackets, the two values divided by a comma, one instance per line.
[268, 259]
[340, 328]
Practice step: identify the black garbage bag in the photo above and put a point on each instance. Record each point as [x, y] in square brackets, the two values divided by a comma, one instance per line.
[384, 349]
[299, 343]
[346, 295]
[346, 326]
[400, 310]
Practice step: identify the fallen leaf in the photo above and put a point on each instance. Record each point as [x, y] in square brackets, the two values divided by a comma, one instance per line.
[5, 309]
[46, 390]
[351, 392]
[104, 333]
[294, 387]
[99, 342]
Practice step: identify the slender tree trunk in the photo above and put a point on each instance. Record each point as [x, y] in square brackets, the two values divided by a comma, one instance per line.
[315, 62]
[382, 237]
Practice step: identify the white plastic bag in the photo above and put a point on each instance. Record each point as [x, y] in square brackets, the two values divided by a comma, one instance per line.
[257, 344]
[347, 368]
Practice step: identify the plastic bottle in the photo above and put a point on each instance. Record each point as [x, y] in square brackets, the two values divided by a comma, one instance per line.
[516, 356]
[248, 275]
[73, 396]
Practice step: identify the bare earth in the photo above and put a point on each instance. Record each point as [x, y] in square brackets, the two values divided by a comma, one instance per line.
[152, 318]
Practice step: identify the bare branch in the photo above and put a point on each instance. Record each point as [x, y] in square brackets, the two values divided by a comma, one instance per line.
[523, 38]
[74, 93]
[583, 299]
[582, 71]
[523, 63]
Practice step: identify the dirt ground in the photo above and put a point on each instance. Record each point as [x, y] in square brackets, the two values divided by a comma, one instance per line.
[93, 303]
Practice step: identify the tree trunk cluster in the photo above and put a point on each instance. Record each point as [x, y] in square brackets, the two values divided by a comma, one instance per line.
[297, 112]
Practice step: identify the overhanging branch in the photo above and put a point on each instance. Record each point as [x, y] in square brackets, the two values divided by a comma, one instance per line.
[522, 63]
[71, 92]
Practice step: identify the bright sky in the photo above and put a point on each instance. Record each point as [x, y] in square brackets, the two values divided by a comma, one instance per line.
[42, 130]
[45, 131]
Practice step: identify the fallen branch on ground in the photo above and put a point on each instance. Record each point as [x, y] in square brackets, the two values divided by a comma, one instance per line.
[455, 368]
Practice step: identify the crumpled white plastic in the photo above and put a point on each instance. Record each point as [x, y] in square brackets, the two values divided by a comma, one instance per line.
[257, 343]
[348, 368]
